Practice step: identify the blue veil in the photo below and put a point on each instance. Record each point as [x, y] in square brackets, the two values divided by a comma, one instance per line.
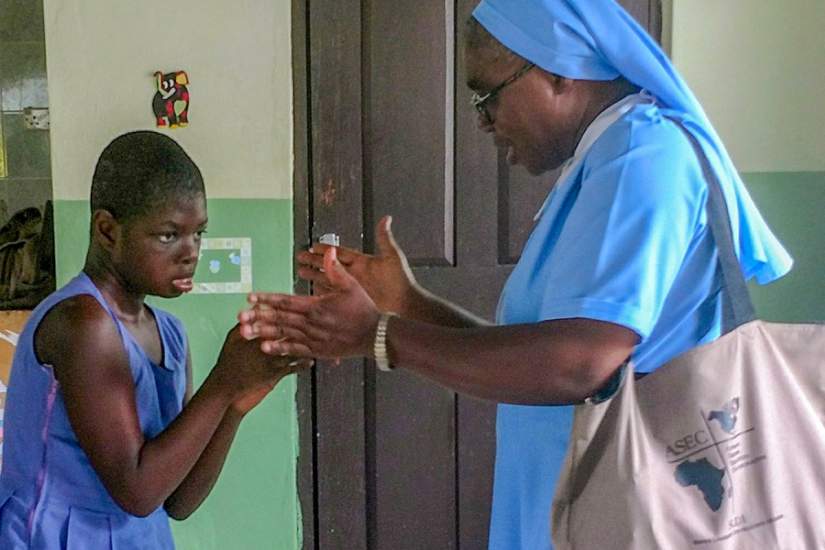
[598, 40]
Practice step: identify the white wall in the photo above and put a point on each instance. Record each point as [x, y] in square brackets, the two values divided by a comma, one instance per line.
[758, 67]
[237, 56]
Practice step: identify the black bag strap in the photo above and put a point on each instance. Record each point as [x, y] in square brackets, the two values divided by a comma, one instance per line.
[737, 307]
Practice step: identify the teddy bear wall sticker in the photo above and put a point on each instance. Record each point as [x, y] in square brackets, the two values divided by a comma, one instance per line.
[171, 101]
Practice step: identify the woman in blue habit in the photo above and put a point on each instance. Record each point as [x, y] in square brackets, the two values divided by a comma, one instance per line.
[620, 262]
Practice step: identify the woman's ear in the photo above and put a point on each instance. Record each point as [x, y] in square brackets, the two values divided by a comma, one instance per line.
[106, 230]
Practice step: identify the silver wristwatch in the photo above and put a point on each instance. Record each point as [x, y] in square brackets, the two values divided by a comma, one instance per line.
[379, 346]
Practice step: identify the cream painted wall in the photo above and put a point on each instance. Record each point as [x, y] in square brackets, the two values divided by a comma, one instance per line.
[758, 67]
[101, 57]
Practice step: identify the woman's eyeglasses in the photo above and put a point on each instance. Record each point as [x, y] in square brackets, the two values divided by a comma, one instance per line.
[480, 102]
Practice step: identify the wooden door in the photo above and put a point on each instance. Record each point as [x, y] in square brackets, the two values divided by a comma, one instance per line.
[383, 126]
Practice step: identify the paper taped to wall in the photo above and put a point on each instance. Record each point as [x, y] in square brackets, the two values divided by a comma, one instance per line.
[225, 266]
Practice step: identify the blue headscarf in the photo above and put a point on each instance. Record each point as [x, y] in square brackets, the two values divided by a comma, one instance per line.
[599, 40]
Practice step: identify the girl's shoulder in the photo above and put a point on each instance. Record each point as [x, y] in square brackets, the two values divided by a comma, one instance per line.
[75, 324]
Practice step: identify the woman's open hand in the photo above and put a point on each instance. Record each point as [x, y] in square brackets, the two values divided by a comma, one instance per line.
[339, 323]
[386, 276]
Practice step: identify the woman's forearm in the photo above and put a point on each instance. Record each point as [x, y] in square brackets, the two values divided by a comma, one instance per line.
[422, 305]
[550, 363]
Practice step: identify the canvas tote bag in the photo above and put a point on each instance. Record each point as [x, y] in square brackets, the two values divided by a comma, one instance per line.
[722, 448]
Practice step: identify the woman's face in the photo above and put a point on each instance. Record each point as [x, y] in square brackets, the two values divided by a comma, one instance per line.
[535, 118]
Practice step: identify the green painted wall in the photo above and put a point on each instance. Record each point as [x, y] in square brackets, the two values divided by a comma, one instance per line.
[254, 505]
[755, 66]
[793, 203]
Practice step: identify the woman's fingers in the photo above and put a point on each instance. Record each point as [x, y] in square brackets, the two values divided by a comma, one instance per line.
[313, 275]
[314, 257]
[319, 278]
[345, 255]
[319, 289]
[334, 324]
[384, 238]
[337, 275]
[284, 302]
[268, 324]
[271, 316]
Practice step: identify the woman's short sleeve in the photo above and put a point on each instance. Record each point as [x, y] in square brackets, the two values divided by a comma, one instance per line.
[636, 213]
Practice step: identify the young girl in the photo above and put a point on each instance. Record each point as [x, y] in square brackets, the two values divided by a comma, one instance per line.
[103, 437]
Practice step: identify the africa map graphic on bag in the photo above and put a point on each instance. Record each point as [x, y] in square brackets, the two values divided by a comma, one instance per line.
[702, 473]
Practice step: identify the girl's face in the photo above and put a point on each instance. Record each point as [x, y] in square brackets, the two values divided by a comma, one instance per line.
[158, 251]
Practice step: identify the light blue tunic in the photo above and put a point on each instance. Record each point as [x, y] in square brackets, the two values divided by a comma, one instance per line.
[50, 496]
[623, 238]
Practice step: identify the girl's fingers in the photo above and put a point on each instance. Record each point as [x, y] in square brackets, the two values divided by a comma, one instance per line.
[272, 332]
[301, 364]
[285, 347]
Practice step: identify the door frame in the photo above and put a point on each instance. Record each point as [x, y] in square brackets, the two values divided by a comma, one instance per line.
[301, 215]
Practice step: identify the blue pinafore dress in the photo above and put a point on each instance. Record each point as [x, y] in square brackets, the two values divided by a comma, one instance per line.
[50, 496]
